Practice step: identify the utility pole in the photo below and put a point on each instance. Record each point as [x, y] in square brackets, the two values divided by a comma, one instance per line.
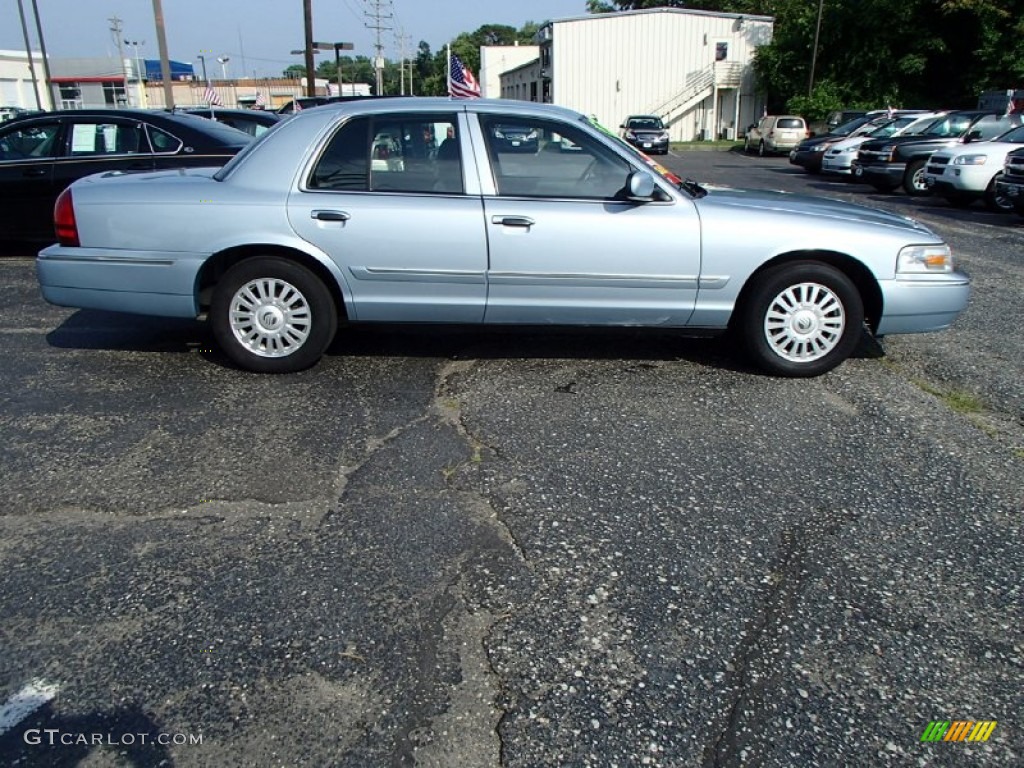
[28, 51]
[165, 62]
[46, 62]
[307, 16]
[814, 53]
[115, 30]
[378, 62]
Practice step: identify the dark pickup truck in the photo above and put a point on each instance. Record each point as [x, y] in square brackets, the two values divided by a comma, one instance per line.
[1011, 184]
[900, 160]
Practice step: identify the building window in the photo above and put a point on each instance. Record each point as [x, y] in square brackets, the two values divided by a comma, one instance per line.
[721, 51]
[70, 96]
[114, 95]
[533, 91]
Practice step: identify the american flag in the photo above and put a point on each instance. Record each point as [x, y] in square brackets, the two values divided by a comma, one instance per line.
[261, 100]
[461, 83]
[212, 98]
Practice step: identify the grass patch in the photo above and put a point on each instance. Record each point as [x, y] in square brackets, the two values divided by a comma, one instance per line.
[955, 399]
[684, 145]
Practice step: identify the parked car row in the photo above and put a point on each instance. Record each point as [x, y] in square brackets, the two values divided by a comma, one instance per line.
[958, 155]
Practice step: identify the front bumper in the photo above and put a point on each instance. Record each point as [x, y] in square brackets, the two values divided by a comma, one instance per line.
[885, 173]
[1012, 191]
[842, 164]
[648, 145]
[141, 282]
[962, 181]
[926, 303]
[808, 159]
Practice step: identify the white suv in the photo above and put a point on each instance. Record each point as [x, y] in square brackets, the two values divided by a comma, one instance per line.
[967, 172]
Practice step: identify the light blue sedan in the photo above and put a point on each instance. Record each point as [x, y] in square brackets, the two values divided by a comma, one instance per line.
[417, 210]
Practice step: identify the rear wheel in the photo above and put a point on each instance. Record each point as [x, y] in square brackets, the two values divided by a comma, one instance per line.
[802, 319]
[994, 201]
[761, 149]
[271, 315]
[913, 179]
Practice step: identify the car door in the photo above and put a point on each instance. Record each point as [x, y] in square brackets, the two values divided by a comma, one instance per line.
[389, 200]
[567, 247]
[27, 153]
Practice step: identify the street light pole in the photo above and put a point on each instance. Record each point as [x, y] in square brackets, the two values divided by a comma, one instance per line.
[307, 16]
[202, 59]
[338, 48]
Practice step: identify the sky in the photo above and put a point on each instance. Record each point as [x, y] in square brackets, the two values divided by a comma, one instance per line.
[262, 33]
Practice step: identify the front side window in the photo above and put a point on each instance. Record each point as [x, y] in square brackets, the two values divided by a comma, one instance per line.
[532, 157]
[30, 142]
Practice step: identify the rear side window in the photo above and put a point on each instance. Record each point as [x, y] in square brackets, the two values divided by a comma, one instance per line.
[30, 142]
[88, 138]
[790, 122]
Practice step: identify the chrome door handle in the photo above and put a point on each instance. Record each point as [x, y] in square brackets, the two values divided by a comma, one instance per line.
[322, 215]
[513, 221]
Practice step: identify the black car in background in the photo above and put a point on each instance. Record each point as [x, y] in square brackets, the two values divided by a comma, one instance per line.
[898, 161]
[255, 122]
[807, 154]
[42, 154]
[645, 132]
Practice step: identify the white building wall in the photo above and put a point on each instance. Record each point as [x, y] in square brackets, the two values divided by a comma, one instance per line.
[16, 80]
[614, 65]
[496, 59]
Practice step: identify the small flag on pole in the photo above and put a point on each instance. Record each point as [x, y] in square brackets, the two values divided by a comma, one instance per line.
[211, 97]
[261, 100]
[461, 83]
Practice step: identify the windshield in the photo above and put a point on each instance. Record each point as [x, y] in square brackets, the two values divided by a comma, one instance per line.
[1013, 136]
[849, 127]
[645, 124]
[891, 127]
[947, 127]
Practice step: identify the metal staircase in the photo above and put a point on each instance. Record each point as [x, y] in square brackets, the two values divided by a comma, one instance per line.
[699, 85]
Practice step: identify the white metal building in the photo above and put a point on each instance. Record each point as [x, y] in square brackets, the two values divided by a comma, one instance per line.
[16, 86]
[692, 68]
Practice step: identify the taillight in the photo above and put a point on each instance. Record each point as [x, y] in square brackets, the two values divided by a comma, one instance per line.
[64, 219]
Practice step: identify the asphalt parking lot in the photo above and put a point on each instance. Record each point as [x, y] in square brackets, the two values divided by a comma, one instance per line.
[461, 548]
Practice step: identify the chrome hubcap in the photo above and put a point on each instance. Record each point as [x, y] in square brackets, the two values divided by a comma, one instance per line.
[270, 317]
[804, 322]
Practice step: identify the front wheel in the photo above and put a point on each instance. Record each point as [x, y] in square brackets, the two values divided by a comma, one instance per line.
[271, 315]
[802, 319]
[913, 180]
[994, 201]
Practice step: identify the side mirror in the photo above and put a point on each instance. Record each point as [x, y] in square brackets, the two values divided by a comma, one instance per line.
[972, 136]
[640, 187]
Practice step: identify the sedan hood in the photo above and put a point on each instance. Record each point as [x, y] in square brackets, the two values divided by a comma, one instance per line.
[803, 205]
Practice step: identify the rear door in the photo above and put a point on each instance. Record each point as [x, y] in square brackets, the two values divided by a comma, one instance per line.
[391, 201]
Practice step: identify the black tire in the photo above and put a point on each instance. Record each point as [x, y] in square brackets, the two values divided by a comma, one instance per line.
[295, 300]
[761, 152]
[913, 179]
[832, 311]
[995, 202]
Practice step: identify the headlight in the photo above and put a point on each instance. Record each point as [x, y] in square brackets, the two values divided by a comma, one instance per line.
[924, 259]
[821, 147]
[531, 136]
[888, 153]
[499, 134]
[970, 160]
[630, 135]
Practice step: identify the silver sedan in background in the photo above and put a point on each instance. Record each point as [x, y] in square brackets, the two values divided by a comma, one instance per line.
[417, 210]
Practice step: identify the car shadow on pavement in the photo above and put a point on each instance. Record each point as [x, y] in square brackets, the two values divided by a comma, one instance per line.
[97, 330]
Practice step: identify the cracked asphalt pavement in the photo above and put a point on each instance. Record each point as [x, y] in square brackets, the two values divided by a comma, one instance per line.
[449, 547]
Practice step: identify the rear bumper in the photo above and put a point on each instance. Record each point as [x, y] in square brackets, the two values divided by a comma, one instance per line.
[928, 303]
[142, 282]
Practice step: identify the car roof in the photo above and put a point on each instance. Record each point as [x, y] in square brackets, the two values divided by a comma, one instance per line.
[440, 104]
